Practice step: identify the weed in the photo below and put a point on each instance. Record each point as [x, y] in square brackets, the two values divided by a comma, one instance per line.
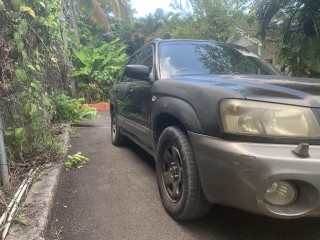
[22, 220]
[76, 160]
[71, 110]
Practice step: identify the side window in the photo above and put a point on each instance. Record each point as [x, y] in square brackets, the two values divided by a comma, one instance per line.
[133, 60]
[146, 57]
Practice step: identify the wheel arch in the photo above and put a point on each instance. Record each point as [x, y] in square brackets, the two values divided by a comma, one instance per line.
[112, 107]
[169, 111]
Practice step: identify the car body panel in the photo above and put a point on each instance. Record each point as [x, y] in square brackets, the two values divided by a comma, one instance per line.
[139, 114]
[238, 174]
[278, 89]
[214, 88]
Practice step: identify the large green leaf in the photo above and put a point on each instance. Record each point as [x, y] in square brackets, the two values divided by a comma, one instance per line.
[20, 135]
[37, 86]
[107, 60]
[85, 56]
[29, 110]
[82, 71]
[20, 75]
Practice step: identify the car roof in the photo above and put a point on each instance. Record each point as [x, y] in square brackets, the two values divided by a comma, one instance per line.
[159, 40]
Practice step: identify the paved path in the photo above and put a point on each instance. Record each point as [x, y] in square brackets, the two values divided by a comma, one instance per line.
[115, 196]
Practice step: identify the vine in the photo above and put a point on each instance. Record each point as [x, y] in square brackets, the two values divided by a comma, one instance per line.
[33, 70]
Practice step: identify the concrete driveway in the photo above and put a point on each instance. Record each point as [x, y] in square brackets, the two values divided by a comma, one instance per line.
[115, 196]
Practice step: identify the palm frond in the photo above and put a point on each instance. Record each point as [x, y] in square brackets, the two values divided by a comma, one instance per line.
[266, 11]
[96, 13]
[120, 8]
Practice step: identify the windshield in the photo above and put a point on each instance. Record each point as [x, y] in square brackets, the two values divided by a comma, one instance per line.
[199, 58]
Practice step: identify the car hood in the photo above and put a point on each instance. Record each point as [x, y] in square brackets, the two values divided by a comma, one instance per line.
[278, 89]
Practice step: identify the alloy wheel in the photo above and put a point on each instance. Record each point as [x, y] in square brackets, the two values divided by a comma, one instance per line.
[172, 173]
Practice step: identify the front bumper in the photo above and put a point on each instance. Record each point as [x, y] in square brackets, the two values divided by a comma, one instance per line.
[239, 173]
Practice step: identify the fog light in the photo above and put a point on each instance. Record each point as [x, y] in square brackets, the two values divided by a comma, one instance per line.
[281, 194]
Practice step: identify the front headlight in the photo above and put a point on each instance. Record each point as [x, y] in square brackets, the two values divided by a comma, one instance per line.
[268, 119]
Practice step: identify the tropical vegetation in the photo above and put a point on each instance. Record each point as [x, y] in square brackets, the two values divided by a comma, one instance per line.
[57, 55]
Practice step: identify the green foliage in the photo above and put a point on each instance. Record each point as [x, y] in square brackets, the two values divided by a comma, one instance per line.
[71, 110]
[33, 56]
[76, 160]
[297, 24]
[1, 5]
[301, 58]
[17, 135]
[96, 11]
[22, 220]
[198, 19]
[214, 20]
[311, 57]
[98, 68]
[91, 34]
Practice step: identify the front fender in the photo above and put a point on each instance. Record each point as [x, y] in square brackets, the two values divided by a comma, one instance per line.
[179, 109]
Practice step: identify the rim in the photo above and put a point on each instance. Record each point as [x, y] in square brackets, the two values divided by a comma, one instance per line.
[172, 173]
[114, 129]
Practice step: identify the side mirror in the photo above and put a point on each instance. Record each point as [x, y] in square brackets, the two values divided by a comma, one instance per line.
[138, 72]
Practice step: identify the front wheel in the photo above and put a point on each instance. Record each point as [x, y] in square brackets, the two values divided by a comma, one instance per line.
[178, 178]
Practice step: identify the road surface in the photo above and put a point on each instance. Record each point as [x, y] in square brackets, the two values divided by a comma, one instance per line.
[115, 196]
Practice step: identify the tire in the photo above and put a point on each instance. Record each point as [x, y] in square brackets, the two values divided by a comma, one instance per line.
[117, 138]
[178, 178]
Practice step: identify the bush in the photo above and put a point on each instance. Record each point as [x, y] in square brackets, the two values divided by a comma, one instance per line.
[71, 110]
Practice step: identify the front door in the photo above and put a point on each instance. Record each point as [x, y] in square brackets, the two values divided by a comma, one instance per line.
[140, 98]
[121, 92]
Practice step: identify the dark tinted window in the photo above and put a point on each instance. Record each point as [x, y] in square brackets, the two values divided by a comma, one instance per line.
[190, 58]
[133, 60]
[145, 57]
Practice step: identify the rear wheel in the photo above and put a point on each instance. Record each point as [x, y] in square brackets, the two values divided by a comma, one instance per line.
[116, 137]
[178, 178]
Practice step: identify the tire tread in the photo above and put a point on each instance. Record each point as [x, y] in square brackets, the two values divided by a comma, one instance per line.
[120, 140]
[196, 205]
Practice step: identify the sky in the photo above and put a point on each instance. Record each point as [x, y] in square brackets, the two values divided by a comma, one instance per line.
[144, 7]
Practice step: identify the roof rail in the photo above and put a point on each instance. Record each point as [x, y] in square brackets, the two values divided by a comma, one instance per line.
[155, 40]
